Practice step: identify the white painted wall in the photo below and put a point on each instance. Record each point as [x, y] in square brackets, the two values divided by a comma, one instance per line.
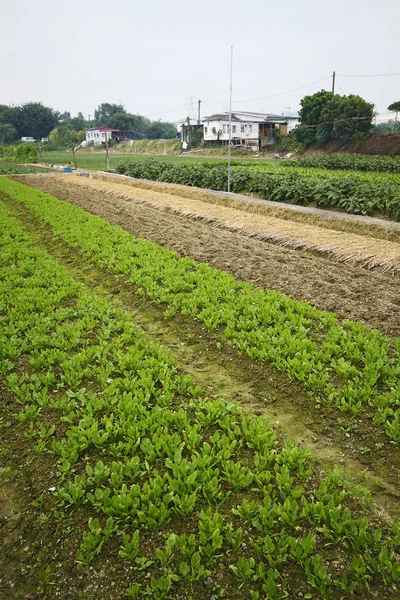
[291, 124]
[97, 137]
[243, 131]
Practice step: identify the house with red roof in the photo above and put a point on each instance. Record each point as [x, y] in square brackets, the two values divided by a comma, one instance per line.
[94, 136]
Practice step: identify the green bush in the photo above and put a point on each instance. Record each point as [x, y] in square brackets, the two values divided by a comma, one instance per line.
[23, 153]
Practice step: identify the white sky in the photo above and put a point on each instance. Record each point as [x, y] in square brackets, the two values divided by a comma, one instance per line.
[153, 56]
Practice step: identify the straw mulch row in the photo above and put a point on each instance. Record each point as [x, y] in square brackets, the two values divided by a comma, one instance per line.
[347, 247]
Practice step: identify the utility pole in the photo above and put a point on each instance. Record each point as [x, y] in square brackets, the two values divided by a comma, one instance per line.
[73, 155]
[333, 82]
[230, 125]
[107, 157]
[198, 113]
[40, 152]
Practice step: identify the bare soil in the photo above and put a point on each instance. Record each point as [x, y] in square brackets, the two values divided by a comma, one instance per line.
[352, 292]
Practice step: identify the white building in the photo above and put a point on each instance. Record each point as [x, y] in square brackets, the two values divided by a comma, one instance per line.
[97, 135]
[255, 130]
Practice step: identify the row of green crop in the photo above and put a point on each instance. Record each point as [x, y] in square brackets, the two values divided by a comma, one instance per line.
[140, 451]
[344, 364]
[355, 162]
[8, 169]
[351, 193]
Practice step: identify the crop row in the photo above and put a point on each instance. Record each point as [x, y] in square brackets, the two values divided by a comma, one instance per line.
[350, 192]
[140, 450]
[339, 363]
[7, 169]
[355, 162]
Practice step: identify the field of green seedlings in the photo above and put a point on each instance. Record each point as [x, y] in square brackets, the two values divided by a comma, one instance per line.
[340, 363]
[146, 487]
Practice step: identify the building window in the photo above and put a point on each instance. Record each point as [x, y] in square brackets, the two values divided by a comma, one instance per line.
[242, 128]
[225, 128]
[214, 131]
[205, 129]
[233, 128]
[250, 127]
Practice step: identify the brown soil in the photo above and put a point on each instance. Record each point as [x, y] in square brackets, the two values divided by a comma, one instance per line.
[351, 291]
[373, 144]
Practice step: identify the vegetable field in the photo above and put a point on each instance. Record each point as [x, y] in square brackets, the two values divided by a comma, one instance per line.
[12, 169]
[134, 474]
[363, 193]
[356, 162]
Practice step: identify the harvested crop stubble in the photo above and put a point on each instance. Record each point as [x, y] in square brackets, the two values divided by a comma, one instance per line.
[384, 230]
[346, 247]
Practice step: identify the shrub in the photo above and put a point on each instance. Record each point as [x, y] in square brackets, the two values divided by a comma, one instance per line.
[23, 153]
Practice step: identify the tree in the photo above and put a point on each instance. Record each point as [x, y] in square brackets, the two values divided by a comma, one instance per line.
[5, 114]
[160, 130]
[65, 117]
[134, 126]
[122, 120]
[80, 115]
[394, 107]
[324, 117]
[8, 133]
[33, 119]
[388, 127]
[63, 137]
[105, 111]
[79, 123]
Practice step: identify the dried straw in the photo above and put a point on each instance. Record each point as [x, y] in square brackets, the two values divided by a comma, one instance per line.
[350, 248]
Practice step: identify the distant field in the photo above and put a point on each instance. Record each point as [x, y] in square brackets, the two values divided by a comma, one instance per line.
[97, 160]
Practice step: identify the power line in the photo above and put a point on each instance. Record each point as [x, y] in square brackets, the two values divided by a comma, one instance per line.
[273, 95]
[167, 111]
[375, 75]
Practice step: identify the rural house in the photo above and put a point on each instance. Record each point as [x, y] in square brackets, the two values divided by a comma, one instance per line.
[249, 129]
[94, 136]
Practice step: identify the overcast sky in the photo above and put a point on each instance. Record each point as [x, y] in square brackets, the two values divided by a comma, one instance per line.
[159, 57]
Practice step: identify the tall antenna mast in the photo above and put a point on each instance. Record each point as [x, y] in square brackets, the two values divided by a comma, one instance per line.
[230, 125]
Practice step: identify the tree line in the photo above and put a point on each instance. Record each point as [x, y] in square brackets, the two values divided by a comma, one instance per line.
[325, 117]
[33, 119]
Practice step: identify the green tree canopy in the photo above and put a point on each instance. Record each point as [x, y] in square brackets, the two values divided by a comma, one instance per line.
[122, 121]
[33, 119]
[394, 107]
[134, 126]
[65, 117]
[8, 133]
[105, 111]
[63, 137]
[160, 130]
[324, 117]
[79, 123]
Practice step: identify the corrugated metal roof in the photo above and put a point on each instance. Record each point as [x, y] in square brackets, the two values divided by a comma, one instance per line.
[101, 129]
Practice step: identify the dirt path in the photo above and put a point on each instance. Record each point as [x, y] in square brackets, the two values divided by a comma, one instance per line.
[351, 291]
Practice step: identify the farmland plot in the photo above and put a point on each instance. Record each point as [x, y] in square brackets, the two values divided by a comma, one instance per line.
[186, 497]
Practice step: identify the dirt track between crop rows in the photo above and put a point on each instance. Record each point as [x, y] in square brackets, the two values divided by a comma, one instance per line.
[352, 292]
